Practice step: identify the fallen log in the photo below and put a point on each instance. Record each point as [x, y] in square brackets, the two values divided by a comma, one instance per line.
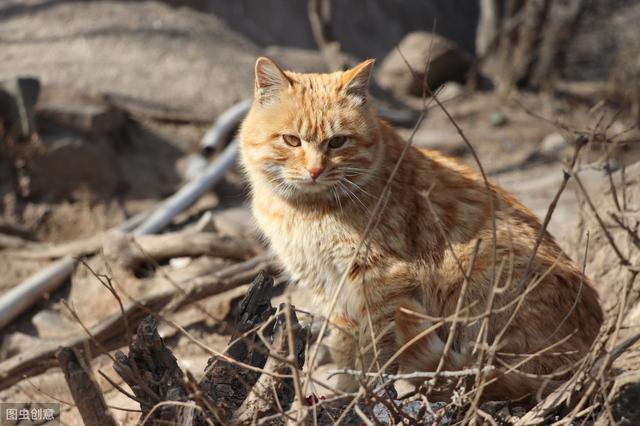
[109, 332]
[129, 251]
[272, 394]
[230, 393]
[11, 228]
[152, 372]
[229, 383]
[84, 389]
[15, 242]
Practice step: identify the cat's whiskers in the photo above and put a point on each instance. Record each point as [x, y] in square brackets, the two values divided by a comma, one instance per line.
[366, 173]
[280, 185]
[336, 196]
[352, 195]
[360, 188]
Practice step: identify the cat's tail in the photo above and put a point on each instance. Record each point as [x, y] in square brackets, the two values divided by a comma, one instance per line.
[423, 350]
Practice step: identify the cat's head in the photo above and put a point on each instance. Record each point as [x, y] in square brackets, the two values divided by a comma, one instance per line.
[310, 136]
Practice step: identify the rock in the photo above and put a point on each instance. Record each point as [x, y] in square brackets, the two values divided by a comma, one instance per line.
[94, 119]
[446, 63]
[18, 97]
[450, 90]
[149, 57]
[50, 324]
[498, 118]
[552, 145]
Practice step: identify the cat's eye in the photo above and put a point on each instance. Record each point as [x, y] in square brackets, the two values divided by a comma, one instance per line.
[291, 140]
[337, 141]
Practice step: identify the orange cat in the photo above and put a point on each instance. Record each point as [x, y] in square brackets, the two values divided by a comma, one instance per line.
[318, 158]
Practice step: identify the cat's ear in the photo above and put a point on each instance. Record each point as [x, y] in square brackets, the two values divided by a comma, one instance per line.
[356, 80]
[270, 80]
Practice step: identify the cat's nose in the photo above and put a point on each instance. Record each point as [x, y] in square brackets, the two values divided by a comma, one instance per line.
[314, 172]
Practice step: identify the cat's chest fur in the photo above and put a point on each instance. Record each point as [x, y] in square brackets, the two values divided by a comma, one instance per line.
[314, 248]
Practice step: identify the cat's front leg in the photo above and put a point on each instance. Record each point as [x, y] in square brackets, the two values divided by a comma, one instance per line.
[375, 349]
[343, 347]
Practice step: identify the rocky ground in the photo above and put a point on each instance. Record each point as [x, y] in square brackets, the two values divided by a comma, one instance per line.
[128, 90]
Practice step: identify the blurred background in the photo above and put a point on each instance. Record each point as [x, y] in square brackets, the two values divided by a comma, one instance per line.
[104, 106]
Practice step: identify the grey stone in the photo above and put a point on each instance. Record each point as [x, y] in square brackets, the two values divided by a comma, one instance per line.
[422, 51]
[553, 144]
[51, 324]
[149, 57]
[450, 90]
[498, 118]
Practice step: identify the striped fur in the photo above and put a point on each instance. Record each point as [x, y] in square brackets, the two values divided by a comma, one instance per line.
[437, 214]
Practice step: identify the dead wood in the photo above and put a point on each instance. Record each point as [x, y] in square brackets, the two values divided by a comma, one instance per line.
[15, 242]
[109, 332]
[227, 383]
[84, 389]
[152, 372]
[271, 393]
[131, 251]
[11, 228]
[229, 391]
[77, 248]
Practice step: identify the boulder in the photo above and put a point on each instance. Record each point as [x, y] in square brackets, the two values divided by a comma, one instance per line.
[422, 51]
[156, 60]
